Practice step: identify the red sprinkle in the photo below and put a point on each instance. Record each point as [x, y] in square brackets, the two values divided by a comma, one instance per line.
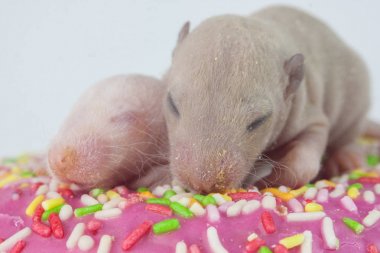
[56, 225]
[2, 240]
[93, 226]
[164, 210]
[34, 187]
[41, 229]
[194, 249]
[254, 245]
[244, 195]
[66, 193]
[371, 248]
[136, 235]
[38, 213]
[268, 223]
[280, 249]
[369, 180]
[19, 246]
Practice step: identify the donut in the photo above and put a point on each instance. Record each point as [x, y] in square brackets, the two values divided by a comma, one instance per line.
[40, 214]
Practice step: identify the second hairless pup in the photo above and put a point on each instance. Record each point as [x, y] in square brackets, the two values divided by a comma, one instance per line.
[255, 98]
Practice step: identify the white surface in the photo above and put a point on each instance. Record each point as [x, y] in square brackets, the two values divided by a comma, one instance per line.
[50, 51]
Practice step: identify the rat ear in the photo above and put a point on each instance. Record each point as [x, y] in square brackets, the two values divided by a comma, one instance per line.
[295, 70]
[182, 34]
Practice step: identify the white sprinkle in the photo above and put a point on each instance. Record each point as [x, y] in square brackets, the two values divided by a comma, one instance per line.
[44, 180]
[369, 197]
[13, 239]
[307, 245]
[53, 185]
[338, 191]
[212, 213]
[214, 241]
[268, 202]
[295, 205]
[348, 204]
[43, 189]
[76, 233]
[323, 196]
[197, 209]
[87, 200]
[328, 234]
[85, 243]
[178, 189]
[102, 198]
[250, 207]
[74, 187]
[283, 188]
[321, 184]
[15, 196]
[310, 193]
[185, 201]
[123, 204]
[343, 179]
[66, 212]
[371, 218]
[159, 191]
[53, 195]
[377, 189]
[105, 244]
[268, 194]
[236, 208]
[175, 198]
[181, 247]
[112, 203]
[298, 217]
[107, 214]
[223, 207]
[219, 199]
[252, 237]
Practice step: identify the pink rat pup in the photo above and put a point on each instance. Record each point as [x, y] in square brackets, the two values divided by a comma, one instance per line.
[115, 133]
[277, 87]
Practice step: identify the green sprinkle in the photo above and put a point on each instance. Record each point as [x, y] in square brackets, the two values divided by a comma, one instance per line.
[9, 160]
[96, 192]
[181, 210]
[353, 225]
[208, 200]
[169, 193]
[309, 185]
[82, 211]
[358, 186]
[199, 197]
[160, 201]
[264, 249]
[27, 173]
[356, 175]
[373, 160]
[166, 226]
[47, 213]
[142, 189]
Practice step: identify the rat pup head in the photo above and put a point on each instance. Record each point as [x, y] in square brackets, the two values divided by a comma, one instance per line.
[228, 89]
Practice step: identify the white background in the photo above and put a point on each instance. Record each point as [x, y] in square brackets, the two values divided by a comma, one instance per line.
[50, 51]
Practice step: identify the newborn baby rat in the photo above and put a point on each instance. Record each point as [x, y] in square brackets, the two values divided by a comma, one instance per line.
[278, 87]
[115, 133]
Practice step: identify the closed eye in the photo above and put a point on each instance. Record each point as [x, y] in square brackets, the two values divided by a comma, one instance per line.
[258, 122]
[172, 105]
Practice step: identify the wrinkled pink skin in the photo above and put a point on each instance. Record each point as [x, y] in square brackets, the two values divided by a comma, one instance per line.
[115, 133]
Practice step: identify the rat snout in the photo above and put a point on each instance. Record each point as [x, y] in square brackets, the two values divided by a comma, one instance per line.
[210, 173]
[78, 163]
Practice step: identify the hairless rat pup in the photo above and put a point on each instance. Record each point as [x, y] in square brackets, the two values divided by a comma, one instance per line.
[277, 87]
[115, 133]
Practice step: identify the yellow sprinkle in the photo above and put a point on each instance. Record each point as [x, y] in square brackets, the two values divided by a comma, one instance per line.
[285, 196]
[192, 201]
[299, 191]
[226, 197]
[147, 195]
[23, 185]
[112, 194]
[241, 190]
[33, 205]
[292, 241]
[313, 207]
[8, 179]
[23, 159]
[353, 192]
[329, 183]
[16, 170]
[51, 203]
[231, 191]
[370, 174]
